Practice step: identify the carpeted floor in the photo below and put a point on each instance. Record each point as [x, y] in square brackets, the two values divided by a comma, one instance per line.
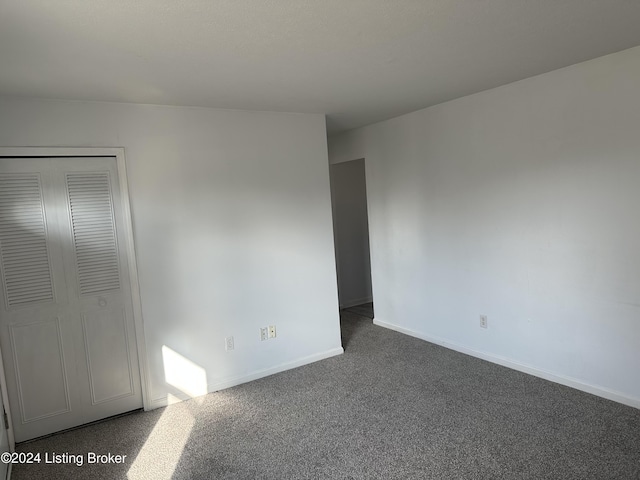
[391, 407]
[364, 310]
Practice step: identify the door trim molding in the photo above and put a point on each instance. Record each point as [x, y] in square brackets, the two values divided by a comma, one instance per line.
[118, 153]
[5, 403]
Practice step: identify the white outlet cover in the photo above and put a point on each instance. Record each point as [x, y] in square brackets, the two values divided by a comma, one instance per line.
[228, 343]
[264, 334]
[272, 331]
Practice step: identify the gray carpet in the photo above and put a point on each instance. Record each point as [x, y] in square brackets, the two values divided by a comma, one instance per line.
[364, 310]
[391, 407]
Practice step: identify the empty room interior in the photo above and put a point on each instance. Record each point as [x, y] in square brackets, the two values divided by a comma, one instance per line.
[320, 239]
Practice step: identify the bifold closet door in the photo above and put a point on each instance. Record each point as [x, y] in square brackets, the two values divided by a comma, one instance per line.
[66, 325]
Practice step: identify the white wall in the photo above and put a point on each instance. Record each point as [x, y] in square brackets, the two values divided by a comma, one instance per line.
[520, 203]
[351, 232]
[347, 146]
[232, 224]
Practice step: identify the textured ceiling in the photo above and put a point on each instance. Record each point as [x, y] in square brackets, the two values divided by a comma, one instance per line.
[358, 61]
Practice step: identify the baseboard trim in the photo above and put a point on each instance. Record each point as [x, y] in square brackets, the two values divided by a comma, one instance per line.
[237, 380]
[521, 367]
[357, 301]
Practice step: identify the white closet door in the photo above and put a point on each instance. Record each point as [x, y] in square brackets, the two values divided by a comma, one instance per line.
[67, 331]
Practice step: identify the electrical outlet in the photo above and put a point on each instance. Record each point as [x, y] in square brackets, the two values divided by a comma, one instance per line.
[484, 323]
[228, 343]
[264, 334]
[272, 331]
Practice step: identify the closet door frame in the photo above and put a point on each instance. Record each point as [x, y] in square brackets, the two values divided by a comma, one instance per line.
[118, 153]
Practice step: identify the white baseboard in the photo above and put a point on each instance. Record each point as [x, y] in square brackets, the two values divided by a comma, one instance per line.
[233, 381]
[506, 362]
[356, 301]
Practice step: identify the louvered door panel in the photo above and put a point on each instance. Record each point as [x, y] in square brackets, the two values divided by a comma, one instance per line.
[24, 253]
[66, 327]
[94, 233]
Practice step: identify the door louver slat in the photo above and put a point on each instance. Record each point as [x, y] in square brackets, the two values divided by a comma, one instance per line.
[94, 233]
[23, 244]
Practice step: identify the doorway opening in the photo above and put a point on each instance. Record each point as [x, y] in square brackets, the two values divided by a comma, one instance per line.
[351, 241]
